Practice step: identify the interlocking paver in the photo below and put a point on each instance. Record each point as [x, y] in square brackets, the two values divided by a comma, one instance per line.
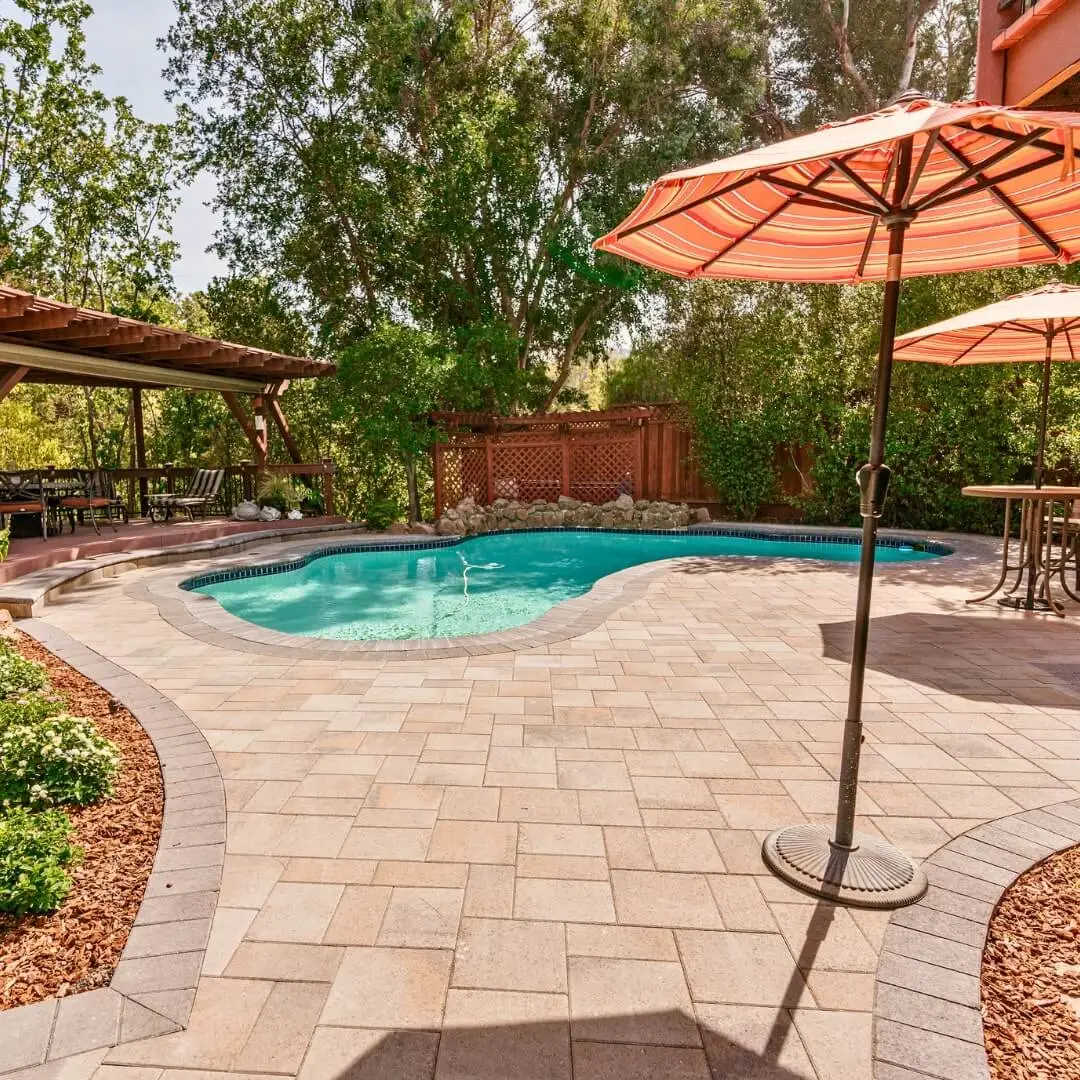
[434, 844]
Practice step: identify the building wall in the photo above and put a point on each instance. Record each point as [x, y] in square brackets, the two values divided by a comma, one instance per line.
[1039, 69]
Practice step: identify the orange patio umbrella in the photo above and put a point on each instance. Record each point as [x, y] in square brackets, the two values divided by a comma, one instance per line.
[1041, 325]
[918, 187]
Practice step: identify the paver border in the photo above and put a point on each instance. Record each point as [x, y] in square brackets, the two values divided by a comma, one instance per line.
[153, 986]
[928, 990]
[200, 616]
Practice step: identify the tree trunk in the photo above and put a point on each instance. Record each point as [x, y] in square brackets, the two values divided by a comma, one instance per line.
[414, 492]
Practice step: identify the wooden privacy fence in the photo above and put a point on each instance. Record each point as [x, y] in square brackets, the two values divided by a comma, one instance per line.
[643, 451]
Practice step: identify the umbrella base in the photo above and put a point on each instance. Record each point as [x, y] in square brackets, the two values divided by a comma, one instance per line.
[871, 874]
[1020, 603]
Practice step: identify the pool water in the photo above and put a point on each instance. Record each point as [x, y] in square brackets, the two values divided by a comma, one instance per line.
[483, 584]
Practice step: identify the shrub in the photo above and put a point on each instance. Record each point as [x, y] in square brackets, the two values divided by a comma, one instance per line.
[30, 707]
[54, 760]
[34, 850]
[17, 674]
[381, 512]
[278, 492]
[5, 543]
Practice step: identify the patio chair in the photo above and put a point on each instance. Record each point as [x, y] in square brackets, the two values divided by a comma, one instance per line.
[201, 494]
[99, 493]
[22, 493]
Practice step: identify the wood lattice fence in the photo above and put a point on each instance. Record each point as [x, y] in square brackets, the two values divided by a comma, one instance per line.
[643, 451]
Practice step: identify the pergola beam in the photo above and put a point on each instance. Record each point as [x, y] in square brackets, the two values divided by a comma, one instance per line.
[126, 373]
[10, 378]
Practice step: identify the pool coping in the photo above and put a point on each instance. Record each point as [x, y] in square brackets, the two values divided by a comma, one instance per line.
[200, 616]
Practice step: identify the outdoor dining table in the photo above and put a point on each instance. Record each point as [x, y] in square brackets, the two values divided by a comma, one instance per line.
[1039, 559]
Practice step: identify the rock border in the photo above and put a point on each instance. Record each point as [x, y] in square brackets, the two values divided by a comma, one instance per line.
[153, 986]
[927, 995]
[200, 616]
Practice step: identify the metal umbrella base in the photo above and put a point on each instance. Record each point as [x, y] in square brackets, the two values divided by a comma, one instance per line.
[869, 874]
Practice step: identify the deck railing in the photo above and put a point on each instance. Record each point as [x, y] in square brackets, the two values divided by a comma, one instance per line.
[133, 486]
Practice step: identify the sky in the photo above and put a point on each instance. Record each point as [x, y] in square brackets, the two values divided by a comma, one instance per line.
[120, 38]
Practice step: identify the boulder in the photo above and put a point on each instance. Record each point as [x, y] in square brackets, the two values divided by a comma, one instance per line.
[624, 502]
[7, 624]
[701, 515]
[246, 511]
[421, 528]
[269, 513]
[398, 528]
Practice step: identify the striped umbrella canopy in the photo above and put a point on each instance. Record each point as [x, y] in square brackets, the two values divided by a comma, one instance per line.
[1041, 325]
[919, 187]
[980, 186]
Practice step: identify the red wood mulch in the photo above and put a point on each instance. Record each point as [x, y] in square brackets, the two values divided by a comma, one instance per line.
[77, 947]
[1031, 975]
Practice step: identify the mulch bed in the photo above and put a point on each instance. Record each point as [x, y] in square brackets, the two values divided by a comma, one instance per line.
[1031, 975]
[77, 947]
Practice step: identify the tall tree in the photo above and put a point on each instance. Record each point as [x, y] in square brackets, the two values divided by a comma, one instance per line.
[448, 163]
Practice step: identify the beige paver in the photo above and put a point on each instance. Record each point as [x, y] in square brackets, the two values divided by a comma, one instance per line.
[435, 847]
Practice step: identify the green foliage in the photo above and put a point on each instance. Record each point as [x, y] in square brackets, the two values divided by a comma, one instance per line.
[277, 491]
[17, 674]
[5, 542]
[29, 707]
[53, 761]
[379, 513]
[35, 850]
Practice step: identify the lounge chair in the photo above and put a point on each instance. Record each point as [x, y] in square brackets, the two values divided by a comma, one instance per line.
[201, 494]
[98, 493]
[22, 493]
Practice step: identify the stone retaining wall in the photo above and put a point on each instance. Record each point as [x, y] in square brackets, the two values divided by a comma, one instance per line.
[469, 519]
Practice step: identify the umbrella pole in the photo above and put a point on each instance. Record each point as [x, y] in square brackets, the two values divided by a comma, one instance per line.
[1044, 406]
[846, 867]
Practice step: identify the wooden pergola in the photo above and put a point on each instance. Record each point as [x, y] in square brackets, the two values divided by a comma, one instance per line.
[45, 341]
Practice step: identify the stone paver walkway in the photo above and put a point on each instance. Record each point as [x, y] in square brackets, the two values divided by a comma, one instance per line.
[545, 864]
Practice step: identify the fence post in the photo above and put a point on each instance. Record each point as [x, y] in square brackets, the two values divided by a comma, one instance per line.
[437, 469]
[490, 448]
[639, 460]
[247, 488]
[328, 487]
[564, 438]
[169, 477]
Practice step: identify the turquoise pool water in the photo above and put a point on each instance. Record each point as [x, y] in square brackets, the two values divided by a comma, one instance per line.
[480, 585]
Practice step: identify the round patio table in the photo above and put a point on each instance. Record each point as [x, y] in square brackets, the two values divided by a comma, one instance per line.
[1037, 560]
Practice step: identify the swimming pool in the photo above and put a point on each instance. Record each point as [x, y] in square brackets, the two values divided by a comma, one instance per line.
[450, 588]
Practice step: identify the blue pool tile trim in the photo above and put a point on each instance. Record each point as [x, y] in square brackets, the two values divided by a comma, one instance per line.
[284, 566]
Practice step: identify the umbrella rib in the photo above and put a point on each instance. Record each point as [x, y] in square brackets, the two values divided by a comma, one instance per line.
[833, 202]
[974, 345]
[1010, 136]
[1037, 231]
[984, 182]
[881, 203]
[916, 174]
[971, 171]
[827, 171]
[871, 233]
[637, 227]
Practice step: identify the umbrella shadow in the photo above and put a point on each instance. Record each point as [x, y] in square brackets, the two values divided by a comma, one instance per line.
[670, 1043]
[1004, 659]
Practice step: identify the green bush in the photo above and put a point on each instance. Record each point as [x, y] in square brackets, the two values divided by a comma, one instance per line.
[53, 760]
[18, 675]
[381, 512]
[30, 707]
[34, 850]
[278, 492]
[5, 543]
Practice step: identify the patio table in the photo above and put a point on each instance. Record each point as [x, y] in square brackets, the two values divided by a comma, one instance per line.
[1039, 559]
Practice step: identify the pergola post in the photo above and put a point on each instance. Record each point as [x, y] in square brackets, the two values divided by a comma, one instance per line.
[249, 427]
[273, 406]
[140, 444]
[10, 379]
[261, 443]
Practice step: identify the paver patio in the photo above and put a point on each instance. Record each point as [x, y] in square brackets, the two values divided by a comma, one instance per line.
[545, 863]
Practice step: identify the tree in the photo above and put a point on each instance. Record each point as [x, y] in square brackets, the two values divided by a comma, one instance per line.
[448, 164]
[87, 192]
